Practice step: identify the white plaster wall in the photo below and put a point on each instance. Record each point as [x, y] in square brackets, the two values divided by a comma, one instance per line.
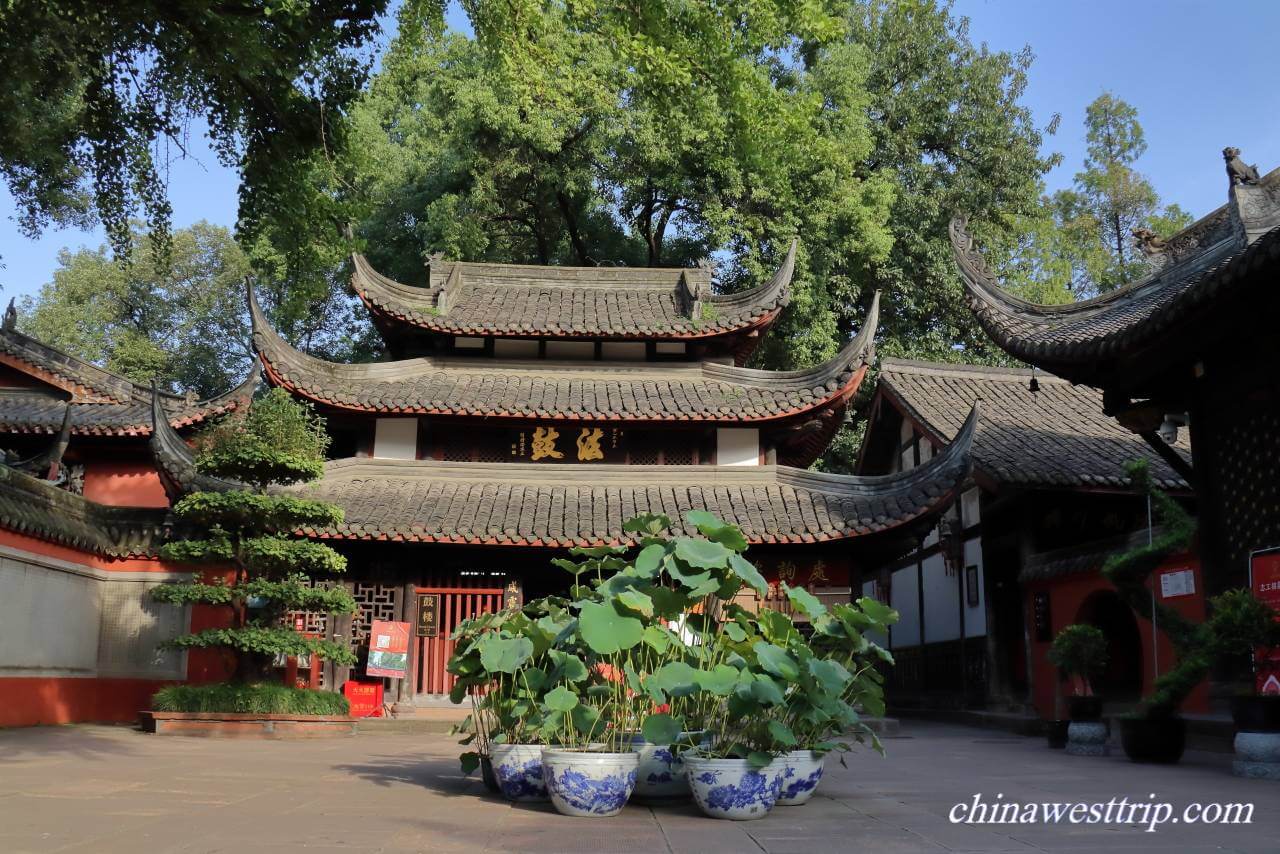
[975, 618]
[515, 348]
[396, 438]
[468, 343]
[904, 598]
[670, 348]
[941, 602]
[737, 446]
[623, 351]
[59, 618]
[571, 350]
[971, 506]
[49, 620]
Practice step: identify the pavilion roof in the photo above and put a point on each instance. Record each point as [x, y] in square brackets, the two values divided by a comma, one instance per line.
[1218, 260]
[102, 403]
[597, 391]
[514, 300]
[560, 505]
[1055, 437]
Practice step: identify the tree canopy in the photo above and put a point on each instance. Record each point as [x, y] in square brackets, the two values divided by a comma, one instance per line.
[98, 96]
[183, 320]
[1096, 219]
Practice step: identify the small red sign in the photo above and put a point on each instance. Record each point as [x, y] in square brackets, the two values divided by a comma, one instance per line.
[1264, 579]
[388, 649]
[365, 698]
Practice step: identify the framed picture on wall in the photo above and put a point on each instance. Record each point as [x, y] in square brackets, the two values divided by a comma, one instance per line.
[971, 585]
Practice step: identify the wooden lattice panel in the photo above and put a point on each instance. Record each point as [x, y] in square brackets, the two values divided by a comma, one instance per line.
[1249, 461]
[375, 602]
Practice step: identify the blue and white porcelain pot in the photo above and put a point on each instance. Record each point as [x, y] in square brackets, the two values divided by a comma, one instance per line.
[731, 788]
[587, 783]
[801, 771]
[518, 768]
[660, 775]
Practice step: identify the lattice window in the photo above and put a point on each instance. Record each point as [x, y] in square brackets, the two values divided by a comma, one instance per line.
[490, 453]
[375, 602]
[678, 457]
[456, 448]
[644, 456]
[1250, 482]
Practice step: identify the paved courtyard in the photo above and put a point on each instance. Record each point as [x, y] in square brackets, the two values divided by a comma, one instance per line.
[111, 789]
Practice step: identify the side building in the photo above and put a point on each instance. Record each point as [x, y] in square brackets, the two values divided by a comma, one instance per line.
[83, 511]
[1019, 555]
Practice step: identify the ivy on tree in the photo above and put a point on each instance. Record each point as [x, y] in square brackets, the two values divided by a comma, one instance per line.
[250, 530]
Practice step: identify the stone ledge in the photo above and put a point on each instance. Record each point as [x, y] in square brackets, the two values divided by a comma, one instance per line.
[236, 725]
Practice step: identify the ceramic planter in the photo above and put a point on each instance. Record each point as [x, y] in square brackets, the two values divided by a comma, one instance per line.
[1257, 741]
[586, 783]
[731, 788]
[518, 768]
[486, 774]
[801, 772]
[1087, 738]
[660, 775]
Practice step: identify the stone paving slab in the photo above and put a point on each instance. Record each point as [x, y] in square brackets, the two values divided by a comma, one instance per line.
[113, 789]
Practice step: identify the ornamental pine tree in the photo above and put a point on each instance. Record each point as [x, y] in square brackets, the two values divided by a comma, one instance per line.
[249, 531]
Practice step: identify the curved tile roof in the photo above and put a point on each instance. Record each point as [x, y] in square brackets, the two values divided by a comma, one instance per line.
[1055, 437]
[39, 509]
[479, 299]
[666, 391]
[581, 505]
[102, 403]
[1224, 256]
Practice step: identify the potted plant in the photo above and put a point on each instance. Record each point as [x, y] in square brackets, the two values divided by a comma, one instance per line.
[1241, 625]
[1080, 651]
[639, 669]
[501, 661]
[837, 681]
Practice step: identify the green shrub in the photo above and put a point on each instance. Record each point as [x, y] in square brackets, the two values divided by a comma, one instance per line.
[262, 698]
[1081, 651]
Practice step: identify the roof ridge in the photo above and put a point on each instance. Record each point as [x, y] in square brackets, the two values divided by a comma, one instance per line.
[924, 366]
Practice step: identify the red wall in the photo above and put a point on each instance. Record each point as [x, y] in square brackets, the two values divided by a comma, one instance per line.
[37, 700]
[124, 484]
[1067, 596]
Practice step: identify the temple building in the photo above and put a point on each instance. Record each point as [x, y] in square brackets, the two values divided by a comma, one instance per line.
[1192, 346]
[1020, 554]
[523, 411]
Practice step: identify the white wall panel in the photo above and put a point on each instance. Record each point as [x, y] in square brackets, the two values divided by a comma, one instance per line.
[396, 439]
[905, 600]
[737, 446]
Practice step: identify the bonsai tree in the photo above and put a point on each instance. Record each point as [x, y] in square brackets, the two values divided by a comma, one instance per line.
[1080, 650]
[1240, 623]
[245, 531]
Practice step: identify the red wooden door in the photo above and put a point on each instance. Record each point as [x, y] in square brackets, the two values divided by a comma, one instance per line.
[431, 655]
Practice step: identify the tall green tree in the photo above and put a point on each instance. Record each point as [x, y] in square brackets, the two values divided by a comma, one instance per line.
[597, 136]
[950, 127]
[248, 531]
[1109, 199]
[98, 96]
[183, 320]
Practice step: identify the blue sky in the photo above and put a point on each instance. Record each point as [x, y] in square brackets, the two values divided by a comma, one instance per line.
[1202, 76]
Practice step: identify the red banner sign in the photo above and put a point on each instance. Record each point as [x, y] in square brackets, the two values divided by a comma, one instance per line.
[388, 649]
[365, 698]
[1264, 579]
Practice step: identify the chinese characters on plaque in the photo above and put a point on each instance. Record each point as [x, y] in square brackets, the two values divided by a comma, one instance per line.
[590, 444]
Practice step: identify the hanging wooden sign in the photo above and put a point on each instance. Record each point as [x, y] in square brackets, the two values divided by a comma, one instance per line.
[428, 622]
